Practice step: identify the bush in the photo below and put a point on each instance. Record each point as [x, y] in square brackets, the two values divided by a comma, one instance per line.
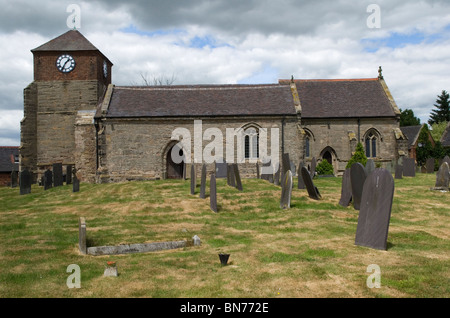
[359, 156]
[324, 168]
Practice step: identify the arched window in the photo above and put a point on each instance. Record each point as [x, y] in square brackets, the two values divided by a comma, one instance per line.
[371, 145]
[307, 147]
[251, 143]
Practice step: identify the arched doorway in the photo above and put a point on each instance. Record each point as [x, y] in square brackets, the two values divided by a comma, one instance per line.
[328, 157]
[175, 170]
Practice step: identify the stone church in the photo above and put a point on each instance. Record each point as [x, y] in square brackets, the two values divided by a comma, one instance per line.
[74, 115]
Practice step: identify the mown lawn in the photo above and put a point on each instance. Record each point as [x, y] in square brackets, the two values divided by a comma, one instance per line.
[305, 251]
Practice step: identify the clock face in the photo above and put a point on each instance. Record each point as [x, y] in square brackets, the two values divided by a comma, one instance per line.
[65, 63]
[105, 69]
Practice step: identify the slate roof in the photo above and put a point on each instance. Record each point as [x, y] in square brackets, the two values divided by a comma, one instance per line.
[343, 98]
[7, 155]
[412, 133]
[201, 100]
[445, 139]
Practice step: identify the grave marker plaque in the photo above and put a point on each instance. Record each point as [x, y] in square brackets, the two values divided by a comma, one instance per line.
[429, 165]
[25, 182]
[237, 177]
[409, 169]
[213, 193]
[203, 182]
[399, 172]
[193, 181]
[346, 189]
[313, 192]
[357, 178]
[57, 175]
[286, 190]
[442, 177]
[48, 179]
[375, 213]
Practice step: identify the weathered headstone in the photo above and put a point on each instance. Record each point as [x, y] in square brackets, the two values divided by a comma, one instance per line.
[293, 168]
[57, 175]
[237, 177]
[409, 167]
[285, 164]
[399, 172]
[445, 159]
[375, 213]
[313, 192]
[429, 165]
[276, 176]
[48, 179]
[82, 235]
[14, 176]
[370, 166]
[301, 183]
[213, 193]
[75, 184]
[286, 190]
[203, 182]
[357, 177]
[69, 174]
[265, 170]
[193, 181]
[221, 169]
[257, 171]
[25, 182]
[442, 177]
[346, 189]
[313, 167]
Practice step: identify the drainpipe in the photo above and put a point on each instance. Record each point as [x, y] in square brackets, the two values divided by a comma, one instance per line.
[282, 135]
[359, 130]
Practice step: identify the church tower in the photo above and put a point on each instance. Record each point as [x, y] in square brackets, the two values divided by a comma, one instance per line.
[70, 75]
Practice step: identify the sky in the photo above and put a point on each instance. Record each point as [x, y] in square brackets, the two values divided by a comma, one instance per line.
[237, 42]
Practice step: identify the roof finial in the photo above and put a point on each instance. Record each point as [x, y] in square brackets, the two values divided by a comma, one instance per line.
[380, 74]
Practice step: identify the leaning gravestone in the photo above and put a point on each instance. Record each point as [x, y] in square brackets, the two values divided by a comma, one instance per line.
[375, 213]
[398, 172]
[48, 179]
[57, 175]
[442, 177]
[357, 177]
[409, 169]
[313, 167]
[286, 190]
[14, 176]
[346, 189]
[313, 192]
[301, 183]
[69, 174]
[213, 193]
[25, 182]
[221, 169]
[429, 165]
[193, 181]
[75, 184]
[237, 177]
[203, 182]
[370, 166]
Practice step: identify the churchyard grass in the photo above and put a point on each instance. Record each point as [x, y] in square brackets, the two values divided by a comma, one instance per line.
[305, 251]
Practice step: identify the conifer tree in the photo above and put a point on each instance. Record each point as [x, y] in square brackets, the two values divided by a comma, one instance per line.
[359, 156]
[442, 111]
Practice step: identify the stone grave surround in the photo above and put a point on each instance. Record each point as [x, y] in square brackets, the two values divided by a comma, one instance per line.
[128, 248]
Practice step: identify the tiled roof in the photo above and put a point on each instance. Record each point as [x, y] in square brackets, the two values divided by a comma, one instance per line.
[412, 133]
[7, 155]
[343, 98]
[445, 139]
[201, 100]
[72, 40]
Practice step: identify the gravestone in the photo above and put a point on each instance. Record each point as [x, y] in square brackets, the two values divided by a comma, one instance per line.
[313, 192]
[313, 167]
[409, 167]
[286, 190]
[237, 177]
[203, 182]
[442, 177]
[82, 235]
[429, 165]
[257, 171]
[398, 172]
[276, 176]
[357, 178]
[346, 189]
[57, 175]
[301, 183]
[75, 184]
[14, 176]
[48, 179]
[293, 168]
[445, 159]
[25, 182]
[270, 178]
[370, 166]
[375, 213]
[286, 164]
[69, 174]
[265, 170]
[213, 193]
[193, 181]
[231, 176]
[221, 169]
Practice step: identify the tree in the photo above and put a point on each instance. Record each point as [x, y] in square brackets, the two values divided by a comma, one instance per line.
[425, 148]
[359, 156]
[437, 130]
[442, 111]
[155, 80]
[324, 168]
[407, 118]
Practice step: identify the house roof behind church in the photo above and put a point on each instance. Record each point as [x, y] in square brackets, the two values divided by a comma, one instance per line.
[201, 100]
[7, 159]
[343, 98]
[412, 133]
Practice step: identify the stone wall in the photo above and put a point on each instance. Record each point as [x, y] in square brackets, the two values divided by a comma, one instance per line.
[28, 130]
[85, 146]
